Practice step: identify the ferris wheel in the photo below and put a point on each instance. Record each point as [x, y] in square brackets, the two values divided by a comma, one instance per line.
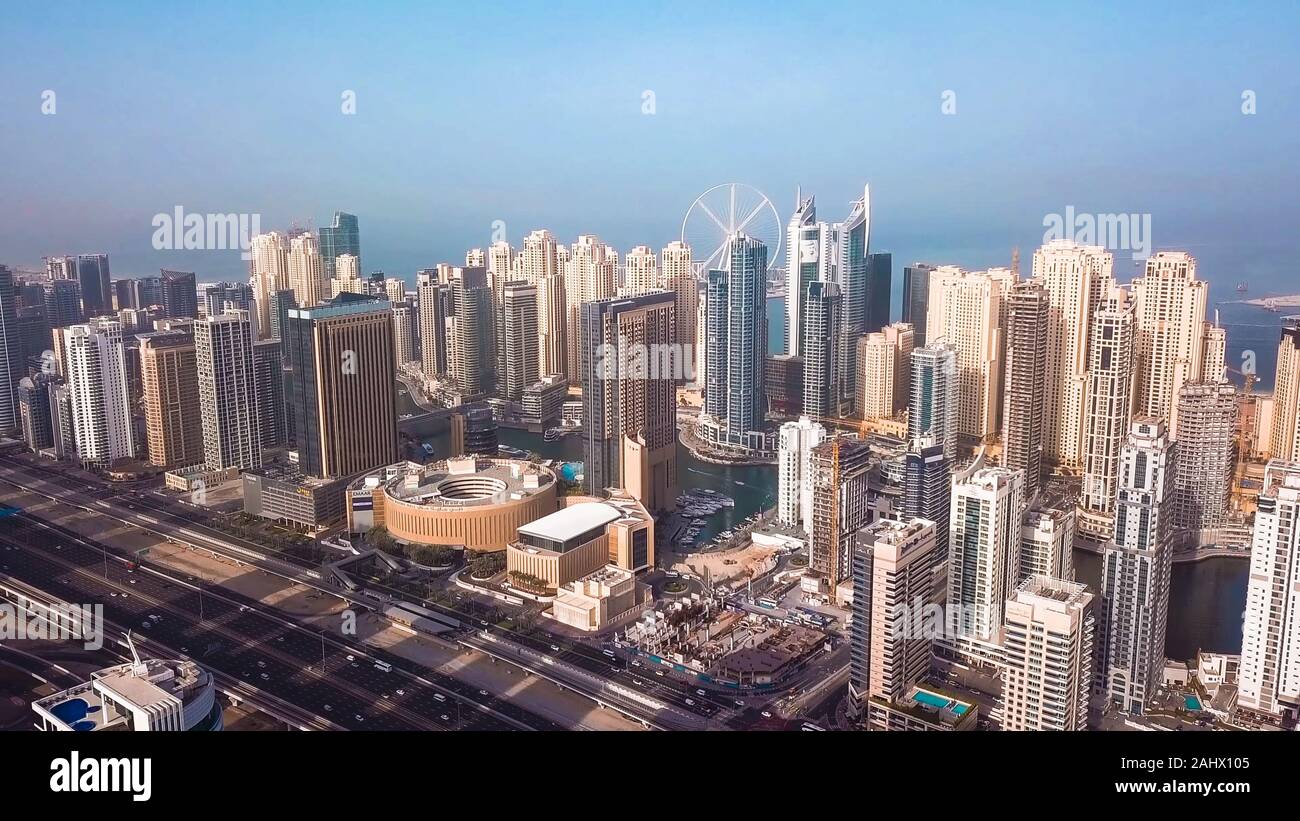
[722, 211]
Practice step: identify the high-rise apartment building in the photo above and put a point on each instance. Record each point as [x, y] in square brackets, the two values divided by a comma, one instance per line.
[1047, 543]
[404, 320]
[840, 474]
[1077, 279]
[472, 357]
[893, 561]
[268, 383]
[340, 389]
[268, 273]
[641, 272]
[966, 310]
[1269, 680]
[932, 409]
[63, 303]
[1284, 429]
[33, 397]
[223, 351]
[307, 274]
[1207, 459]
[552, 326]
[216, 298]
[519, 308]
[500, 270]
[927, 488]
[1108, 404]
[173, 421]
[1170, 333]
[1047, 655]
[822, 315]
[628, 403]
[97, 385]
[1025, 384]
[987, 509]
[11, 366]
[735, 400]
[884, 368]
[1136, 568]
[679, 277]
[794, 471]
[433, 324]
[589, 275]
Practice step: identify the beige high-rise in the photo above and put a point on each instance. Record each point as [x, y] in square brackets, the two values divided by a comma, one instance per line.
[679, 277]
[589, 275]
[884, 371]
[1048, 639]
[169, 377]
[269, 273]
[306, 271]
[966, 310]
[1284, 429]
[1077, 279]
[641, 272]
[1170, 313]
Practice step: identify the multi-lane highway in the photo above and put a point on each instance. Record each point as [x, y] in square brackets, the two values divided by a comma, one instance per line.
[161, 513]
[235, 637]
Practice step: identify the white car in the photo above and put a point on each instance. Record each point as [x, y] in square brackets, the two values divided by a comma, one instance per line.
[329, 709]
[766, 714]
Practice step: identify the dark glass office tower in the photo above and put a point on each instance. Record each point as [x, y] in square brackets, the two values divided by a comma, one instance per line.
[216, 298]
[147, 291]
[96, 286]
[880, 282]
[916, 295]
[10, 352]
[927, 485]
[821, 332]
[180, 295]
[124, 294]
[63, 303]
[340, 237]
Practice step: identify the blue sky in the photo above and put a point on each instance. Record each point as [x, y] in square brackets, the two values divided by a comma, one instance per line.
[531, 114]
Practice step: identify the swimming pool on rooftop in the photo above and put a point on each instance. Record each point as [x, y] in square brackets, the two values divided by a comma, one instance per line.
[941, 702]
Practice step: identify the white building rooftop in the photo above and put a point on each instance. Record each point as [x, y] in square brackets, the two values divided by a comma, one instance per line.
[572, 521]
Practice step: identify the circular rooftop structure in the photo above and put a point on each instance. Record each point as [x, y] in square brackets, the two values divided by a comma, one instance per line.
[475, 502]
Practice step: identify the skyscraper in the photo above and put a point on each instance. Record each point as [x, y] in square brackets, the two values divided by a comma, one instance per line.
[893, 562]
[1207, 458]
[1284, 431]
[552, 326]
[927, 488]
[268, 384]
[1108, 402]
[1047, 543]
[988, 506]
[735, 401]
[810, 256]
[1048, 652]
[679, 277]
[840, 474]
[794, 471]
[1135, 569]
[932, 410]
[966, 310]
[472, 327]
[403, 333]
[217, 298]
[884, 368]
[433, 324]
[589, 275]
[223, 351]
[1269, 681]
[96, 290]
[641, 272]
[821, 331]
[1025, 394]
[63, 303]
[173, 420]
[629, 417]
[342, 236]
[879, 288]
[1077, 279]
[501, 269]
[101, 409]
[34, 411]
[307, 276]
[11, 366]
[520, 311]
[340, 389]
[916, 299]
[1170, 333]
[269, 273]
[180, 296]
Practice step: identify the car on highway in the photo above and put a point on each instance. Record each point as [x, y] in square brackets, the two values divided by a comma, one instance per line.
[766, 714]
[265, 677]
[700, 692]
[659, 673]
[439, 697]
[358, 717]
[482, 692]
[445, 717]
[329, 709]
[401, 692]
[555, 648]
[740, 703]
[690, 702]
